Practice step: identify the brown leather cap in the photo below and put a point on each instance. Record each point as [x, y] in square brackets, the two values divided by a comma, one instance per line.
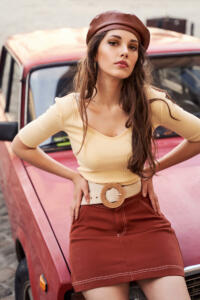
[116, 20]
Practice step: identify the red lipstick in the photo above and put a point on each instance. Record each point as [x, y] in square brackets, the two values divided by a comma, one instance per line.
[122, 63]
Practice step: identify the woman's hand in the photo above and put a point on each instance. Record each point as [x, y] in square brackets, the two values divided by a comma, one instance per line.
[80, 187]
[147, 189]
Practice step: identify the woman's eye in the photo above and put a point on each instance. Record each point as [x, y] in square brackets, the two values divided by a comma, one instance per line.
[133, 47]
[112, 43]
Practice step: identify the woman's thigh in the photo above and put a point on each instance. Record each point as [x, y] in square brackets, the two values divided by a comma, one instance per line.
[165, 288]
[117, 292]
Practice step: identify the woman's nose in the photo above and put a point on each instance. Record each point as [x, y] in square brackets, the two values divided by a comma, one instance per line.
[124, 51]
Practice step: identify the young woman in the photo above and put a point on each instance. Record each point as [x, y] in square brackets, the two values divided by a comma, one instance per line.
[118, 233]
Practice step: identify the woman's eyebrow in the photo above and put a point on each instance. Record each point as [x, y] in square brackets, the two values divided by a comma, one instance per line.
[119, 37]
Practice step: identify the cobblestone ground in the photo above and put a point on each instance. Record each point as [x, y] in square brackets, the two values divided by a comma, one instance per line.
[8, 262]
[28, 15]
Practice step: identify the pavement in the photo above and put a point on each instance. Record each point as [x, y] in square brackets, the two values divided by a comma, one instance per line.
[28, 15]
[8, 261]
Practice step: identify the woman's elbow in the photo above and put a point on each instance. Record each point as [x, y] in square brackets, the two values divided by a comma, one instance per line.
[18, 147]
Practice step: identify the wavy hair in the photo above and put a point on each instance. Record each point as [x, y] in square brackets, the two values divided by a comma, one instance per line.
[132, 98]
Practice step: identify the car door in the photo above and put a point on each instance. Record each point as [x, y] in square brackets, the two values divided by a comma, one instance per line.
[10, 107]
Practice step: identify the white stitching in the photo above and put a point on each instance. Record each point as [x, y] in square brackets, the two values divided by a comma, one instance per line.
[124, 219]
[126, 273]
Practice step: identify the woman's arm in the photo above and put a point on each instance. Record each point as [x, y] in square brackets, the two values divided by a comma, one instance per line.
[180, 153]
[170, 115]
[183, 123]
[40, 159]
[25, 145]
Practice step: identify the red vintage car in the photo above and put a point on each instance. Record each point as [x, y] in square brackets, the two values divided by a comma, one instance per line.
[34, 69]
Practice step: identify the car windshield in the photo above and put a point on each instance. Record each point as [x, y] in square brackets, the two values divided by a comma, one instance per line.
[179, 75]
[45, 84]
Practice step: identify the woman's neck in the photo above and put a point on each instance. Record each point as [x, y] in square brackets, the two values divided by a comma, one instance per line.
[108, 91]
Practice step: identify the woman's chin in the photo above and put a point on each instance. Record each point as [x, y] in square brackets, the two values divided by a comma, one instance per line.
[118, 75]
[121, 75]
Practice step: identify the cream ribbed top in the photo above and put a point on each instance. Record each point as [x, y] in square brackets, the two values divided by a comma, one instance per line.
[104, 158]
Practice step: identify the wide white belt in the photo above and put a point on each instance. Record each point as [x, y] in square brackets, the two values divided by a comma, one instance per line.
[111, 194]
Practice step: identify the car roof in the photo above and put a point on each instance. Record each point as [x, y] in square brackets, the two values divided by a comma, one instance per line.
[68, 44]
[167, 41]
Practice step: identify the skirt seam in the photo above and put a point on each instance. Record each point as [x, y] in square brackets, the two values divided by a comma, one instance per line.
[124, 220]
[126, 273]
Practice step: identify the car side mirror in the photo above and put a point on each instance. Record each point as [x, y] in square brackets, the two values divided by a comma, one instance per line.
[8, 130]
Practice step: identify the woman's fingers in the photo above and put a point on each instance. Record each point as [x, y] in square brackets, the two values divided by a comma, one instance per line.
[154, 201]
[72, 213]
[158, 206]
[78, 198]
[144, 188]
[86, 192]
[77, 204]
[147, 188]
[152, 195]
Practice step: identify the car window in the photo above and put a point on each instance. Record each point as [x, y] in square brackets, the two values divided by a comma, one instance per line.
[11, 87]
[180, 76]
[44, 85]
[15, 94]
[5, 75]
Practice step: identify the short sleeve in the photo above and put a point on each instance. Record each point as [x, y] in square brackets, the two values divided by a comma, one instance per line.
[47, 124]
[168, 114]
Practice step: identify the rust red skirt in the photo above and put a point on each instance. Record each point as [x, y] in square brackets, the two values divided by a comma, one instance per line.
[128, 243]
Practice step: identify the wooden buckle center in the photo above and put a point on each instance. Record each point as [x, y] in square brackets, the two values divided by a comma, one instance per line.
[120, 190]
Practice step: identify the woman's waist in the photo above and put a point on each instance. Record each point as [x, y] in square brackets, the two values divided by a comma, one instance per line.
[111, 194]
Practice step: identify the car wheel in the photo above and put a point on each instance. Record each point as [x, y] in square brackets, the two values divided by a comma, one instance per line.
[22, 282]
[135, 293]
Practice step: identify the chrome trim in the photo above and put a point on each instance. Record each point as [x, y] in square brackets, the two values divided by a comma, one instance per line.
[168, 54]
[26, 98]
[191, 270]
[21, 70]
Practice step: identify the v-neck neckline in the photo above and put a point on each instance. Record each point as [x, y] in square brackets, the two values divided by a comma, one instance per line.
[97, 131]
[108, 136]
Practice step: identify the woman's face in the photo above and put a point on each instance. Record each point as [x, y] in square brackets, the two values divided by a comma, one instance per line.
[117, 54]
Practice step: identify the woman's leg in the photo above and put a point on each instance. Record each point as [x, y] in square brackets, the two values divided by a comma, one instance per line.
[165, 288]
[116, 292]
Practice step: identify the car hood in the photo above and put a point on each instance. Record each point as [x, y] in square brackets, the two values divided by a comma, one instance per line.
[177, 188]
[55, 195]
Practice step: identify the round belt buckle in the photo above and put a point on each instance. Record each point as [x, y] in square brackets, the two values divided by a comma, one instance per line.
[109, 186]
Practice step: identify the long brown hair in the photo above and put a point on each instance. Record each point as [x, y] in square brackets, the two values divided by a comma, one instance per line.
[132, 98]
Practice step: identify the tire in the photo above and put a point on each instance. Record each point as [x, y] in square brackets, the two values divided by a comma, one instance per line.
[22, 282]
[135, 292]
